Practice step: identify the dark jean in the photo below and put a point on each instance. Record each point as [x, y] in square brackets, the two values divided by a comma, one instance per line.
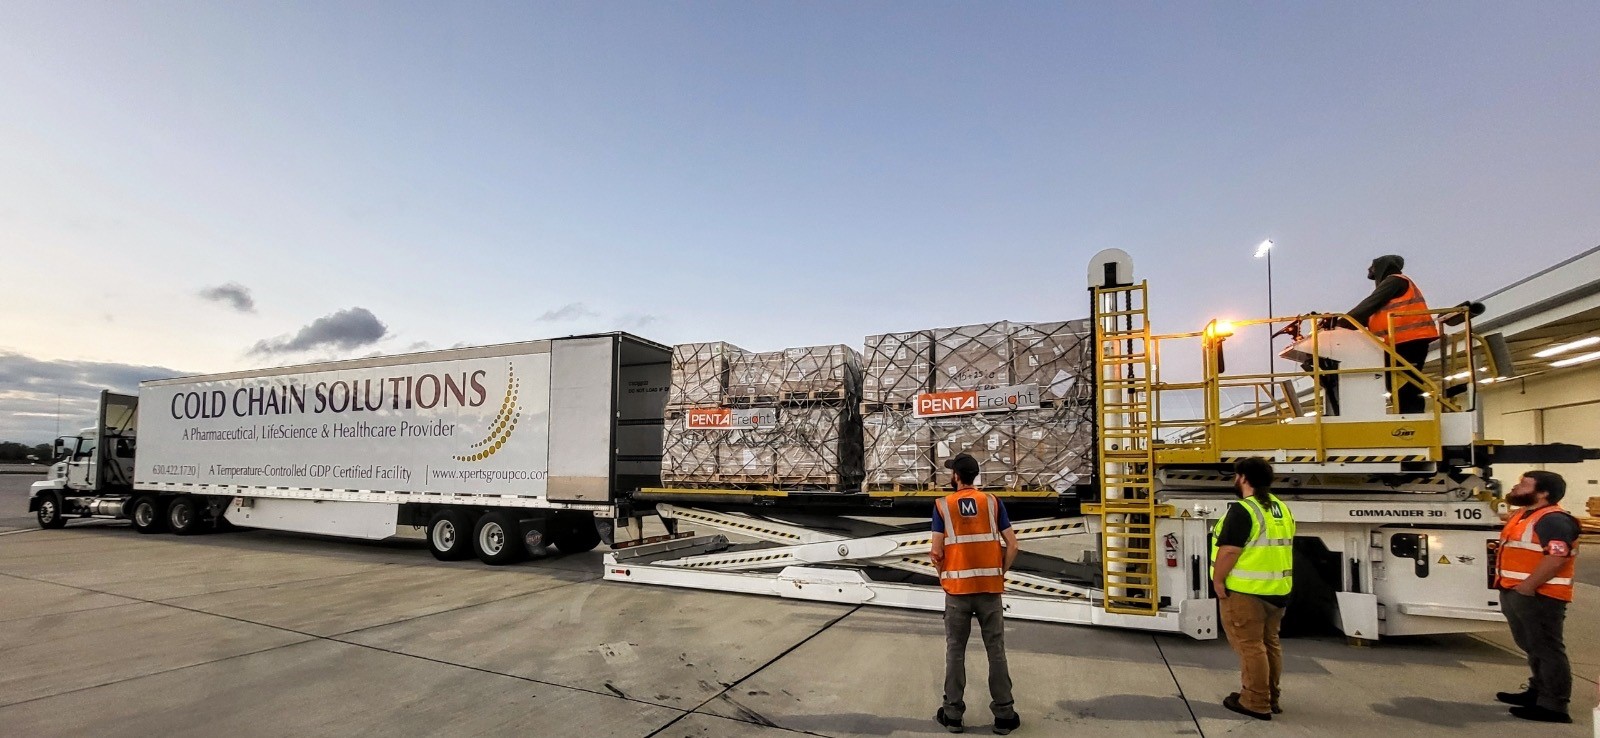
[1537, 623]
[959, 610]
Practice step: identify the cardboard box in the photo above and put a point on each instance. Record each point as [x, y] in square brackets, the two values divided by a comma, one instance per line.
[897, 366]
[972, 357]
[818, 445]
[1058, 357]
[700, 373]
[1054, 448]
[821, 373]
[898, 448]
[986, 437]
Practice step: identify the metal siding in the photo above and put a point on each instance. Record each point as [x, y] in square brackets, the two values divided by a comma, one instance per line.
[582, 418]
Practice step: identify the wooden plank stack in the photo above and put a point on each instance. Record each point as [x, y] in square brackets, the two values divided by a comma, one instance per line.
[1591, 524]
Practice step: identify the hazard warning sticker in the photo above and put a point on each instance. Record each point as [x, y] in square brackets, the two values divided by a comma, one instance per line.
[1444, 559]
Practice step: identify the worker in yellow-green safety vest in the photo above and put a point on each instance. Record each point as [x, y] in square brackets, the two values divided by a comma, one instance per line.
[1252, 571]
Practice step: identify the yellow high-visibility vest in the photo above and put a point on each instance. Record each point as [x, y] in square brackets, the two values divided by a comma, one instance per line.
[1266, 566]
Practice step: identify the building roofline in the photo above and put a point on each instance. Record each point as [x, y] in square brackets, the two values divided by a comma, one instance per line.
[1538, 274]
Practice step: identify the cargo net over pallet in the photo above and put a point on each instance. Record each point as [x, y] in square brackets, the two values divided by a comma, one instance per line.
[913, 378]
[772, 419]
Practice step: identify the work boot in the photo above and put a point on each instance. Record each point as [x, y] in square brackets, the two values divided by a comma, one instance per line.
[1004, 726]
[953, 726]
[1525, 698]
[1276, 710]
[1232, 703]
[1540, 714]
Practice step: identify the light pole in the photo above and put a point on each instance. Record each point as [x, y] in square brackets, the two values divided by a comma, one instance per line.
[1265, 249]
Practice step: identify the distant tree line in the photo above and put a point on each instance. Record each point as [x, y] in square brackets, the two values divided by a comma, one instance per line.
[17, 453]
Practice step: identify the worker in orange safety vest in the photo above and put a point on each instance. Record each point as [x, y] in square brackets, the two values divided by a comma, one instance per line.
[973, 547]
[1533, 570]
[1392, 313]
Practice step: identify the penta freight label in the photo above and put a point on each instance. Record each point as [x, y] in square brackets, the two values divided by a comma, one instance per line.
[723, 418]
[968, 402]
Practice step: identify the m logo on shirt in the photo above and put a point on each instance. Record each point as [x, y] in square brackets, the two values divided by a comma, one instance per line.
[968, 507]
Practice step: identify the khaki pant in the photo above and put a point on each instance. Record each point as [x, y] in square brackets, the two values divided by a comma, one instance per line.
[1252, 628]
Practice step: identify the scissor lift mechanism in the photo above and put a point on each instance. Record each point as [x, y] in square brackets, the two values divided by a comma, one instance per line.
[829, 567]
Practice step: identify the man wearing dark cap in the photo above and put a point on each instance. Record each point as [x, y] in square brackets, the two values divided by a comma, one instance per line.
[1395, 312]
[973, 547]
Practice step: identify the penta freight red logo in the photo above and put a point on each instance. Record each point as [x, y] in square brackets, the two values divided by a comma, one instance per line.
[967, 402]
[935, 404]
[725, 418]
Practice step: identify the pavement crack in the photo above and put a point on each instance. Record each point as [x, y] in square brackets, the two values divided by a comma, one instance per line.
[1170, 672]
[741, 680]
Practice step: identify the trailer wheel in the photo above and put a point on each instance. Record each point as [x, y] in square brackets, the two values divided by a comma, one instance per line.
[147, 515]
[50, 512]
[498, 539]
[449, 535]
[183, 516]
[575, 533]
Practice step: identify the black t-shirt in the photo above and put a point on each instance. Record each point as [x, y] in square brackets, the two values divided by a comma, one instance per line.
[1558, 528]
[1235, 531]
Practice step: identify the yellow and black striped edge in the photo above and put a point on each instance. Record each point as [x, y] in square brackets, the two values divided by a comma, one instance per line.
[1370, 459]
[1004, 494]
[725, 523]
[715, 492]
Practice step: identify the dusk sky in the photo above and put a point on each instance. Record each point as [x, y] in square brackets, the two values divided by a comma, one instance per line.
[190, 187]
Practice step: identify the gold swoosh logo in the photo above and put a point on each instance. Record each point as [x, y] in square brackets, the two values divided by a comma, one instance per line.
[505, 422]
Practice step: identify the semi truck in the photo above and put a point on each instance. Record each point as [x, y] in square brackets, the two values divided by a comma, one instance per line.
[490, 451]
[495, 451]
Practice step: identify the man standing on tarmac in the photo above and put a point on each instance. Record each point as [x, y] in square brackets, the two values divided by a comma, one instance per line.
[1252, 571]
[1537, 558]
[1409, 333]
[969, 527]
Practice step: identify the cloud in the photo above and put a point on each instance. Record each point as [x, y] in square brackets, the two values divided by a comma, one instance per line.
[633, 321]
[346, 329]
[29, 388]
[569, 311]
[233, 293]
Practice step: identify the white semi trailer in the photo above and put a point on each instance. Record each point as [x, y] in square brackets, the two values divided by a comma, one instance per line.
[494, 450]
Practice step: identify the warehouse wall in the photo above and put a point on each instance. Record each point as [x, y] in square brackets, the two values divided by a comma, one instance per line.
[1561, 407]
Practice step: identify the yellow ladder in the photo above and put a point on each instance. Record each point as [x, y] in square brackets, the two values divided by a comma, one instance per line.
[1126, 449]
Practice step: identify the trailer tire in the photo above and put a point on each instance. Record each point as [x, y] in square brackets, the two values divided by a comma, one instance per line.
[497, 539]
[449, 537]
[183, 516]
[575, 533]
[147, 514]
[52, 511]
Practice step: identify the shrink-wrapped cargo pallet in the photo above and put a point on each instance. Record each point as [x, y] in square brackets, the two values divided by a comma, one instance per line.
[1057, 357]
[972, 357]
[1054, 447]
[898, 451]
[810, 432]
[897, 366]
[987, 438]
[700, 373]
[1054, 356]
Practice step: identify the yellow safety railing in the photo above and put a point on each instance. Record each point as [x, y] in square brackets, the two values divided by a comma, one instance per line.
[1125, 448]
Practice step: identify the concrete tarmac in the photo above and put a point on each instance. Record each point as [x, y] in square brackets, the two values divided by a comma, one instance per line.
[110, 633]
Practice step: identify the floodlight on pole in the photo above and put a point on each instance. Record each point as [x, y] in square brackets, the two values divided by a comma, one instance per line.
[1265, 249]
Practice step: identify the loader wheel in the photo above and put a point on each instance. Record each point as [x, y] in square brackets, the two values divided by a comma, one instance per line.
[575, 534]
[183, 516]
[147, 515]
[50, 511]
[450, 535]
[498, 539]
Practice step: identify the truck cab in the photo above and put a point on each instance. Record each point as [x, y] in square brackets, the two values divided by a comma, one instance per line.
[93, 472]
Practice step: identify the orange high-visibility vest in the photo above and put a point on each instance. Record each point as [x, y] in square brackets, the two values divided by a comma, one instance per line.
[1521, 551]
[1404, 328]
[974, 560]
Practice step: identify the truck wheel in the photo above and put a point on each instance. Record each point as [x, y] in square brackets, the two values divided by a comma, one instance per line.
[450, 535]
[498, 539]
[183, 516]
[147, 515]
[575, 534]
[50, 511]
